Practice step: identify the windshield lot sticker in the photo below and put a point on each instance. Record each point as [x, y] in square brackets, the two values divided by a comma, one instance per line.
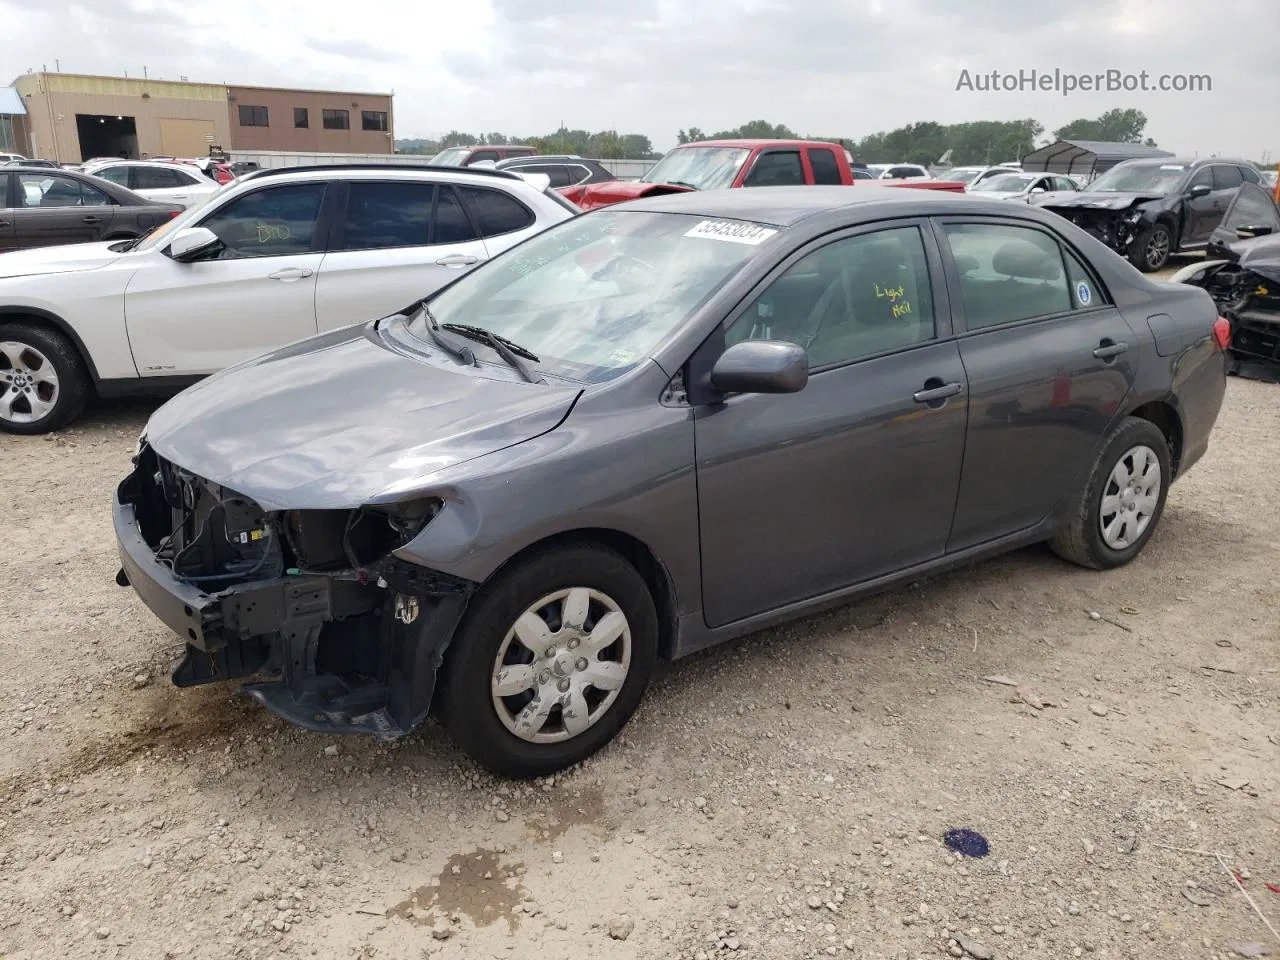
[1083, 293]
[748, 233]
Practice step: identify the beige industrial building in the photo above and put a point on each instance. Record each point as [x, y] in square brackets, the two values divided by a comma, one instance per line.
[72, 118]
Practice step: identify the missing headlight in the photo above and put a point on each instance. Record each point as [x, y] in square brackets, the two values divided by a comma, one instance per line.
[329, 540]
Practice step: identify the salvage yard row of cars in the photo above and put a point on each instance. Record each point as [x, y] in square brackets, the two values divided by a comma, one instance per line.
[459, 446]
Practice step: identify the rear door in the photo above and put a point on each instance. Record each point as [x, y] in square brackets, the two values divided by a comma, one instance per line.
[395, 242]
[258, 294]
[51, 209]
[1049, 360]
[170, 185]
[8, 229]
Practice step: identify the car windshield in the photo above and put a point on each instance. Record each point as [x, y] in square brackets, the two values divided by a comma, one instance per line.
[964, 176]
[453, 157]
[1003, 183]
[1140, 178]
[185, 219]
[703, 168]
[593, 296]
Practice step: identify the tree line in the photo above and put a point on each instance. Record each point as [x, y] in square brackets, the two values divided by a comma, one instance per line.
[983, 141]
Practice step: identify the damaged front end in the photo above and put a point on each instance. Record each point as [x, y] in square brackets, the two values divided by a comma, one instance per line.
[344, 636]
[1251, 303]
[1116, 226]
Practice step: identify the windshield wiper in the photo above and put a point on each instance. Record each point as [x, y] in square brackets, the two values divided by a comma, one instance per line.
[682, 183]
[509, 351]
[459, 351]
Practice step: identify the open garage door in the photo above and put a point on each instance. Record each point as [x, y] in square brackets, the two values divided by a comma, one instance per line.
[185, 138]
[107, 136]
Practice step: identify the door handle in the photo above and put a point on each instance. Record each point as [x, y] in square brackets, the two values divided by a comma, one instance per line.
[290, 273]
[91, 220]
[458, 260]
[4, 223]
[1107, 349]
[935, 390]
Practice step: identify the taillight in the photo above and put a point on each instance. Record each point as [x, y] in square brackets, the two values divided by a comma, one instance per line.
[1222, 332]
[173, 213]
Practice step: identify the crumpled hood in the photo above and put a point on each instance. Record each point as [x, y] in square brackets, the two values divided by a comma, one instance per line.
[1262, 256]
[65, 259]
[341, 419]
[1103, 201]
[620, 191]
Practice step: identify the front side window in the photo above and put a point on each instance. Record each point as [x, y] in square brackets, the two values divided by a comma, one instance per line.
[496, 213]
[1226, 176]
[595, 295]
[275, 222]
[1007, 273]
[335, 119]
[776, 168]
[1250, 175]
[481, 156]
[253, 116]
[824, 166]
[1252, 208]
[301, 118]
[558, 173]
[373, 120]
[703, 168]
[854, 298]
[41, 190]
[382, 216]
[1203, 178]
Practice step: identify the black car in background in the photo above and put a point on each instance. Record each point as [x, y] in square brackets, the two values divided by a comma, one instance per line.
[565, 170]
[1241, 271]
[1149, 209]
[43, 207]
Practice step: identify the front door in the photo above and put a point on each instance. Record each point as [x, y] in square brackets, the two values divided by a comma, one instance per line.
[257, 294]
[1050, 361]
[54, 209]
[8, 229]
[398, 241]
[1201, 216]
[855, 476]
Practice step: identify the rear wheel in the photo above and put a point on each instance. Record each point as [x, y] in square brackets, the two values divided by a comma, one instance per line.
[43, 384]
[1122, 501]
[1151, 248]
[550, 661]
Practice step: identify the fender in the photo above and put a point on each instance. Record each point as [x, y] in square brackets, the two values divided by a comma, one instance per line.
[61, 326]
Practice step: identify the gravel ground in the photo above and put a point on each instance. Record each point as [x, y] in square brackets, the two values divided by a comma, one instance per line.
[781, 796]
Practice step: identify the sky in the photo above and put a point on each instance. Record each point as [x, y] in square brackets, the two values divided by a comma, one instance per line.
[822, 67]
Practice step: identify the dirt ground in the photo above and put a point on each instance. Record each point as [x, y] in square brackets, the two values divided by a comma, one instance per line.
[782, 796]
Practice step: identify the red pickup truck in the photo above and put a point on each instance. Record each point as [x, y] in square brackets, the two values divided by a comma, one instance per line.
[717, 164]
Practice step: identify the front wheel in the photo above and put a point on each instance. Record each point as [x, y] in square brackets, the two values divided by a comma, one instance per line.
[551, 659]
[43, 385]
[1122, 501]
[1151, 248]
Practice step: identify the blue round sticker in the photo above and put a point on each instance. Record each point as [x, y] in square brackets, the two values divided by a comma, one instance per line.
[1083, 293]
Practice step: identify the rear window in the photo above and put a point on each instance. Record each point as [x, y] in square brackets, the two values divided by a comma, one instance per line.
[496, 213]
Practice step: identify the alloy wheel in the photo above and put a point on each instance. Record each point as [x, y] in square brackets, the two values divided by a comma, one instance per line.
[29, 386]
[561, 665]
[1157, 248]
[1130, 498]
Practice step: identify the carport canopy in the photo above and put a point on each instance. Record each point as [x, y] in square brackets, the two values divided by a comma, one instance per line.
[1087, 157]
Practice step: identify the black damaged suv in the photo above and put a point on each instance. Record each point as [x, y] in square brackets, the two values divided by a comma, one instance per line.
[1149, 209]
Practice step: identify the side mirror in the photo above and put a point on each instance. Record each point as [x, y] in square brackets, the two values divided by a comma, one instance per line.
[1039, 190]
[1254, 230]
[194, 243]
[1199, 190]
[761, 366]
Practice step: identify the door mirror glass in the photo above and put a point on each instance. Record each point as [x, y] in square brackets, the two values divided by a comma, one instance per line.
[194, 243]
[1254, 230]
[1199, 190]
[1038, 190]
[761, 366]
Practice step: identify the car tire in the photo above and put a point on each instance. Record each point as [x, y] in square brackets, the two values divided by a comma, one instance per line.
[487, 650]
[1151, 249]
[39, 369]
[1111, 521]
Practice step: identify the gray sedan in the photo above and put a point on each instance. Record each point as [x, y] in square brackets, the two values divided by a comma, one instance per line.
[1023, 186]
[40, 207]
[650, 429]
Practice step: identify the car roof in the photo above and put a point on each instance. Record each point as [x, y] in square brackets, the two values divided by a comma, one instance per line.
[786, 206]
[372, 170]
[752, 144]
[1182, 161]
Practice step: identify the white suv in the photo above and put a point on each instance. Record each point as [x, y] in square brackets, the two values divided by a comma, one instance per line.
[272, 258]
[156, 180]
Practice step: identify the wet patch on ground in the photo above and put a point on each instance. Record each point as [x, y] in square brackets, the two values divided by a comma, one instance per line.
[474, 885]
[584, 808]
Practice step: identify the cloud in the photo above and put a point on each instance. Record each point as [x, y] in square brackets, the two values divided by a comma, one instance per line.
[826, 67]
